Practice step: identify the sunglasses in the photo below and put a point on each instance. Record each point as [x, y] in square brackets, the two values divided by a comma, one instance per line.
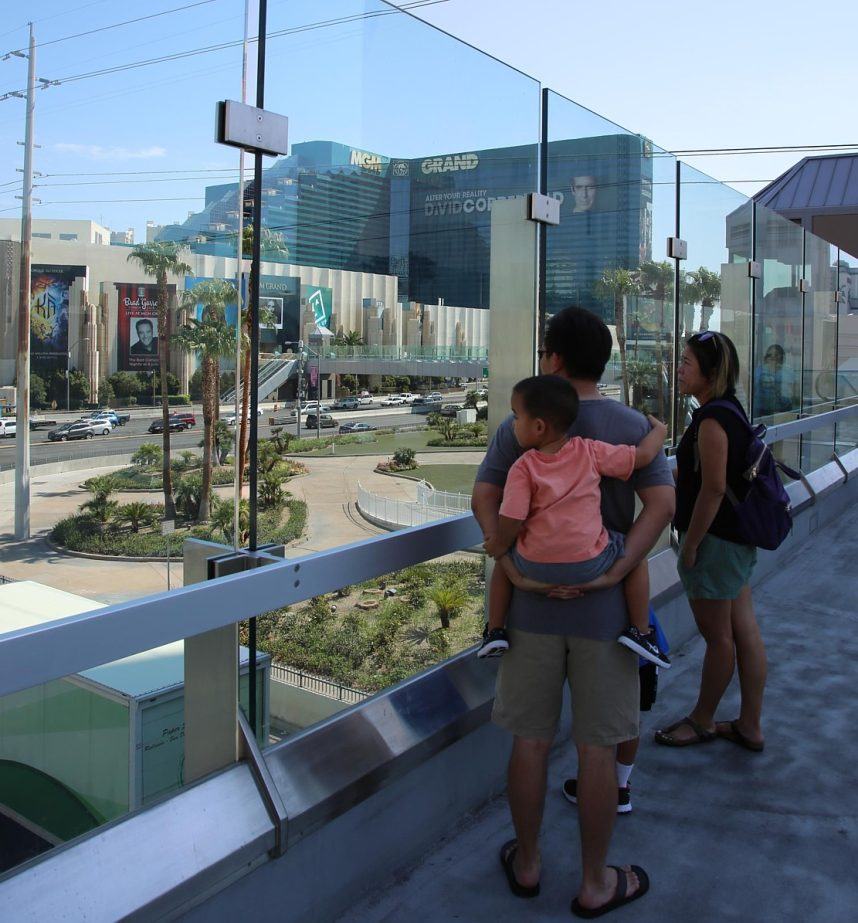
[543, 352]
[707, 336]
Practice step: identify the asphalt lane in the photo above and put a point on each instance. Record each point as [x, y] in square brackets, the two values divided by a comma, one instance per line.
[127, 439]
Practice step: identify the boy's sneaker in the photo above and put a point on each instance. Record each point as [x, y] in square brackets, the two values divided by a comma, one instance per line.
[624, 796]
[645, 646]
[495, 643]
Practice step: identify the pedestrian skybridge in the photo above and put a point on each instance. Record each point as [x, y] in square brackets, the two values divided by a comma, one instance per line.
[306, 826]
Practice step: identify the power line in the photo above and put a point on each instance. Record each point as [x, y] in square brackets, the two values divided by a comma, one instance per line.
[222, 46]
[126, 22]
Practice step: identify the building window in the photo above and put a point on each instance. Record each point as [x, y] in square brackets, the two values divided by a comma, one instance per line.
[41, 234]
[67, 236]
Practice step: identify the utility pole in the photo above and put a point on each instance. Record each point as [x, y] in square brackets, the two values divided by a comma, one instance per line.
[22, 438]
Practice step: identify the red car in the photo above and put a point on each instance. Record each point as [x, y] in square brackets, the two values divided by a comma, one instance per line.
[184, 417]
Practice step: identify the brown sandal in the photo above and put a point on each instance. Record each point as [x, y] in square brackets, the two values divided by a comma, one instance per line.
[702, 736]
[732, 733]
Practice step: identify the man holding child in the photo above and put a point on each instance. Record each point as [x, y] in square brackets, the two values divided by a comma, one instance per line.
[556, 640]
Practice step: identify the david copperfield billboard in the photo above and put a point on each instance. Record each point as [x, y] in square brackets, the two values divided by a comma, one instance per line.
[139, 336]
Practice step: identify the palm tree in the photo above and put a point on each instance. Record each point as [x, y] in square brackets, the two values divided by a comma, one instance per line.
[656, 279]
[212, 337]
[449, 600]
[158, 259]
[136, 514]
[273, 246]
[224, 439]
[223, 519]
[147, 455]
[703, 288]
[352, 338]
[619, 284]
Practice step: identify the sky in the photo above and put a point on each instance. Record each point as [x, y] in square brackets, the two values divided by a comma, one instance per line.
[137, 143]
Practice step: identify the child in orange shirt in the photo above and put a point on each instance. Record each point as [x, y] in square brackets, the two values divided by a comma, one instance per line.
[551, 512]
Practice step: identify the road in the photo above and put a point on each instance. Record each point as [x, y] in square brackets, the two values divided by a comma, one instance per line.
[127, 439]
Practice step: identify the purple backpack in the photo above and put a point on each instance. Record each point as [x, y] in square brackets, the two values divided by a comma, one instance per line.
[764, 515]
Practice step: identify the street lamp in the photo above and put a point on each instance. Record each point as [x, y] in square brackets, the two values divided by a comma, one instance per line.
[68, 370]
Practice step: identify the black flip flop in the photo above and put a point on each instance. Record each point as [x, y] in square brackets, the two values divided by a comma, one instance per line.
[507, 857]
[737, 737]
[701, 735]
[620, 897]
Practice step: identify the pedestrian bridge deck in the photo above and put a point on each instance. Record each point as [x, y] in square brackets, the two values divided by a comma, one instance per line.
[724, 834]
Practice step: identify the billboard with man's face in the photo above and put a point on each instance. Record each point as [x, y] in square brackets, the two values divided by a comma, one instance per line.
[138, 332]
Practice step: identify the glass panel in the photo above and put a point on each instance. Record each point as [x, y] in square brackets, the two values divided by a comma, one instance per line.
[332, 651]
[820, 347]
[617, 208]
[715, 220]
[846, 381]
[378, 259]
[778, 331]
[98, 328]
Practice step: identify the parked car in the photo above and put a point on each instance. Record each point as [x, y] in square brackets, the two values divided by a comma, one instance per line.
[176, 426]
[355, 428]
[450, 410]
[81, 429]
[230, 420]
[185, 416]
[322, 421]
[407, 397]
[347, 403]
[117, 418]
[365, 400]
[42, 423]
[8, 427]
[392, 400]
[434, 396]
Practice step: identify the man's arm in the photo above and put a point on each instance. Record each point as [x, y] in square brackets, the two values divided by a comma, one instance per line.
[659, 505]
[485, 504]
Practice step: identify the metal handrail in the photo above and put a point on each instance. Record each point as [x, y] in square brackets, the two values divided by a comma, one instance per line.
[318, 684]
[51, 650]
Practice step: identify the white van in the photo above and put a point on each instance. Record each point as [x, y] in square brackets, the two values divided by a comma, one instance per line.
[7, 427]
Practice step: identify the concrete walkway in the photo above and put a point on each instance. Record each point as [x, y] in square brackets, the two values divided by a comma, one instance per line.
[725, 835]
[329, 489]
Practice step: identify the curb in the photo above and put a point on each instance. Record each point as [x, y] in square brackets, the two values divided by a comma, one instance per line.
[89, 556]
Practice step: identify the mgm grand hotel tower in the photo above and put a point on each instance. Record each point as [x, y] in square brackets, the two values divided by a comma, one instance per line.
[426, 221]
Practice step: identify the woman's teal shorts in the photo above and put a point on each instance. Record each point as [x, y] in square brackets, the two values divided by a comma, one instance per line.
[721, 570]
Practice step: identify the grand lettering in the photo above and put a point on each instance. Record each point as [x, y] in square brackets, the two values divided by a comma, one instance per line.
[450, 164]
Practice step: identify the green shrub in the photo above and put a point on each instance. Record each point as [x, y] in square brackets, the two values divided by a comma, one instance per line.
[176, 400]
[404, 457]
[148, 455]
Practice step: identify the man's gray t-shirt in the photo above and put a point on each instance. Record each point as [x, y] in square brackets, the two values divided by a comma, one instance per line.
[600, 615]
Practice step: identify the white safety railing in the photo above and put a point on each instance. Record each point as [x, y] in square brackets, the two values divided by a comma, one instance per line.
[448, 500]
[397, 514]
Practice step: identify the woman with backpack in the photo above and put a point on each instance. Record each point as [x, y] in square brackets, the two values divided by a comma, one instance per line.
[715, 558]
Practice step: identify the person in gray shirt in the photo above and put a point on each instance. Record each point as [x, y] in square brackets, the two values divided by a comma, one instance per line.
[556, 640]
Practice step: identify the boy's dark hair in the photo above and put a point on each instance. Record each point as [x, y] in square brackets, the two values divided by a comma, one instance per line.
[550, 398]
[582, 340]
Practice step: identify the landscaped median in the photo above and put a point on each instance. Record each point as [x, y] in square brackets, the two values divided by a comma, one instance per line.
[382, 631]
[106, 528]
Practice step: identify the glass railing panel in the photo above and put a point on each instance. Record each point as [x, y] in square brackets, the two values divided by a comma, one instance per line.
[336, 650]
[617, 194]
[844, 382]
[820, 325]
[98, 327]
[375, 284]
[820, 347]
[85, 749]
[778, 325]
[715, 294]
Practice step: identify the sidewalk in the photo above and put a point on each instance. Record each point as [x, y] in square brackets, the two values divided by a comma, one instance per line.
[725, 835]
